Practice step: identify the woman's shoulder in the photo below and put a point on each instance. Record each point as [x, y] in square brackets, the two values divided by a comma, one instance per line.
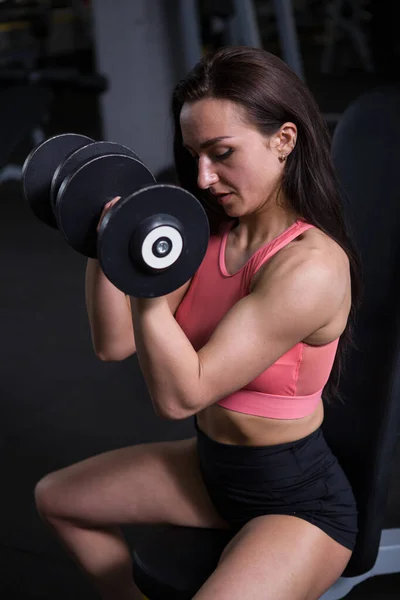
[314, 243]
[313, 254]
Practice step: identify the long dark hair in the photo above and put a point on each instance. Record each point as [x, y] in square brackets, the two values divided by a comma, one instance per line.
[271, 95]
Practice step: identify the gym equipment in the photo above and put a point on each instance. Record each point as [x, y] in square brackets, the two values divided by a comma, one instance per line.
[83, 194]
[38, 169]
[52, 161]
[149, 243]
[79, 157]
[163, 250]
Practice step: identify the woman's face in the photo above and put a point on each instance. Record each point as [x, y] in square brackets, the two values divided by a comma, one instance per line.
[241, 167]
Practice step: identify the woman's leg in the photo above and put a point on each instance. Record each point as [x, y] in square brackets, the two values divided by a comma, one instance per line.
[145, 484]
[276, 557]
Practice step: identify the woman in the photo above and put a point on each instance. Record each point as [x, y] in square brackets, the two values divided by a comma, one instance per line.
[246, 348]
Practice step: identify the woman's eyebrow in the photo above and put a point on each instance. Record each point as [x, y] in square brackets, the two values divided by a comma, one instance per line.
[212, 141]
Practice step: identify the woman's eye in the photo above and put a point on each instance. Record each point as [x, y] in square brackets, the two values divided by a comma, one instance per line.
[216, 156]
[224, 154]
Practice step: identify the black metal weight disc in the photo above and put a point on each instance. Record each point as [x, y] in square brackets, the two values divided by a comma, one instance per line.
[84, 193]
[147, 218]
[38, 171]
[79, 157]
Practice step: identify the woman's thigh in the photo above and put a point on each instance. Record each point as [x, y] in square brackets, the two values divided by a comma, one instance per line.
[277, 557]
[148, 483]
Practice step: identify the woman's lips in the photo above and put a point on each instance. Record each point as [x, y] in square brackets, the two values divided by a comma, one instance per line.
[223, 198]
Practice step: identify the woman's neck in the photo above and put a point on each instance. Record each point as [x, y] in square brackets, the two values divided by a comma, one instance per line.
[255, 230]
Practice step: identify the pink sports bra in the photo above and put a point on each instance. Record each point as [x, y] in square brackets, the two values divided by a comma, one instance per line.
[291, 388]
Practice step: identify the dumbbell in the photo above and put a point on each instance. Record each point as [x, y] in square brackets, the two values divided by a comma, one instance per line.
[52, 161]
[149, 243]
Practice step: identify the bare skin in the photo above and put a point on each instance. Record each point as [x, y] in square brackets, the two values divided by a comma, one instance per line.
[231, 427]
[279, 557]
[146, 484]
[276, 557]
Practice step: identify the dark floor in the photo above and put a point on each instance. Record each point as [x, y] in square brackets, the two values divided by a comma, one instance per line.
[59, 403]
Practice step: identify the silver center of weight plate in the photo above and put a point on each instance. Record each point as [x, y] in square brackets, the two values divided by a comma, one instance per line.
[162, 247]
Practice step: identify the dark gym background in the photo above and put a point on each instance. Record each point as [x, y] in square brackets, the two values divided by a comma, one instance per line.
[59, 404]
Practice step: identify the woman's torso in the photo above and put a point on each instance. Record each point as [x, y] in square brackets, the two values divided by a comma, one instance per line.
[231, 427]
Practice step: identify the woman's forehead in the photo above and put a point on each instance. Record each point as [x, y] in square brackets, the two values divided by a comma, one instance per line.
[210, 118]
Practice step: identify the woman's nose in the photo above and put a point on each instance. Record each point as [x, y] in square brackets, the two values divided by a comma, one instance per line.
[206, 176]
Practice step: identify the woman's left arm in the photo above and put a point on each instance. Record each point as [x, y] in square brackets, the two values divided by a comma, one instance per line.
[294, 296]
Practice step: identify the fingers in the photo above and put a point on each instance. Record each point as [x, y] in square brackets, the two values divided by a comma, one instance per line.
[105, 210]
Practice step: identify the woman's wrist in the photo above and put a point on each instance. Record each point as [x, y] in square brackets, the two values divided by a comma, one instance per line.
[146, 305]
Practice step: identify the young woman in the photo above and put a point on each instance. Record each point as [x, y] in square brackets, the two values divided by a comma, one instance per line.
[248, 348]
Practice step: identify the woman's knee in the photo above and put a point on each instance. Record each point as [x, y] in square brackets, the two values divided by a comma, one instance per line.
[49, 496]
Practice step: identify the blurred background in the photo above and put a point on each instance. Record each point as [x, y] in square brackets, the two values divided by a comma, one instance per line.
[107, 69]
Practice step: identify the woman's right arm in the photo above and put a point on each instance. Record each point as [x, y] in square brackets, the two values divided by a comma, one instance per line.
[110, 316]
[109, 312]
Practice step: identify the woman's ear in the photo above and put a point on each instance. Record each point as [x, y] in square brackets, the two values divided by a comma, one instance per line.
[284, 140]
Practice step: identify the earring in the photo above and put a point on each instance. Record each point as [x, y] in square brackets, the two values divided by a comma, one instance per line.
[282, 157]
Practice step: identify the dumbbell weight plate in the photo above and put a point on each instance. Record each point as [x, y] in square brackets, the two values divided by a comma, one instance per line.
[83, 194]
[38, 171]
[79, 157]
[153, 241]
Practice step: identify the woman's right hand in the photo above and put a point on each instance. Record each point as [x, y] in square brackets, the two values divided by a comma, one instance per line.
[105, 210]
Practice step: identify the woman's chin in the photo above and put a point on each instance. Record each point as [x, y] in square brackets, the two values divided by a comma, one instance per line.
[232, 212]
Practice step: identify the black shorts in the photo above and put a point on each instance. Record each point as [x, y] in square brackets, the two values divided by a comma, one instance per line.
[301, 478]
